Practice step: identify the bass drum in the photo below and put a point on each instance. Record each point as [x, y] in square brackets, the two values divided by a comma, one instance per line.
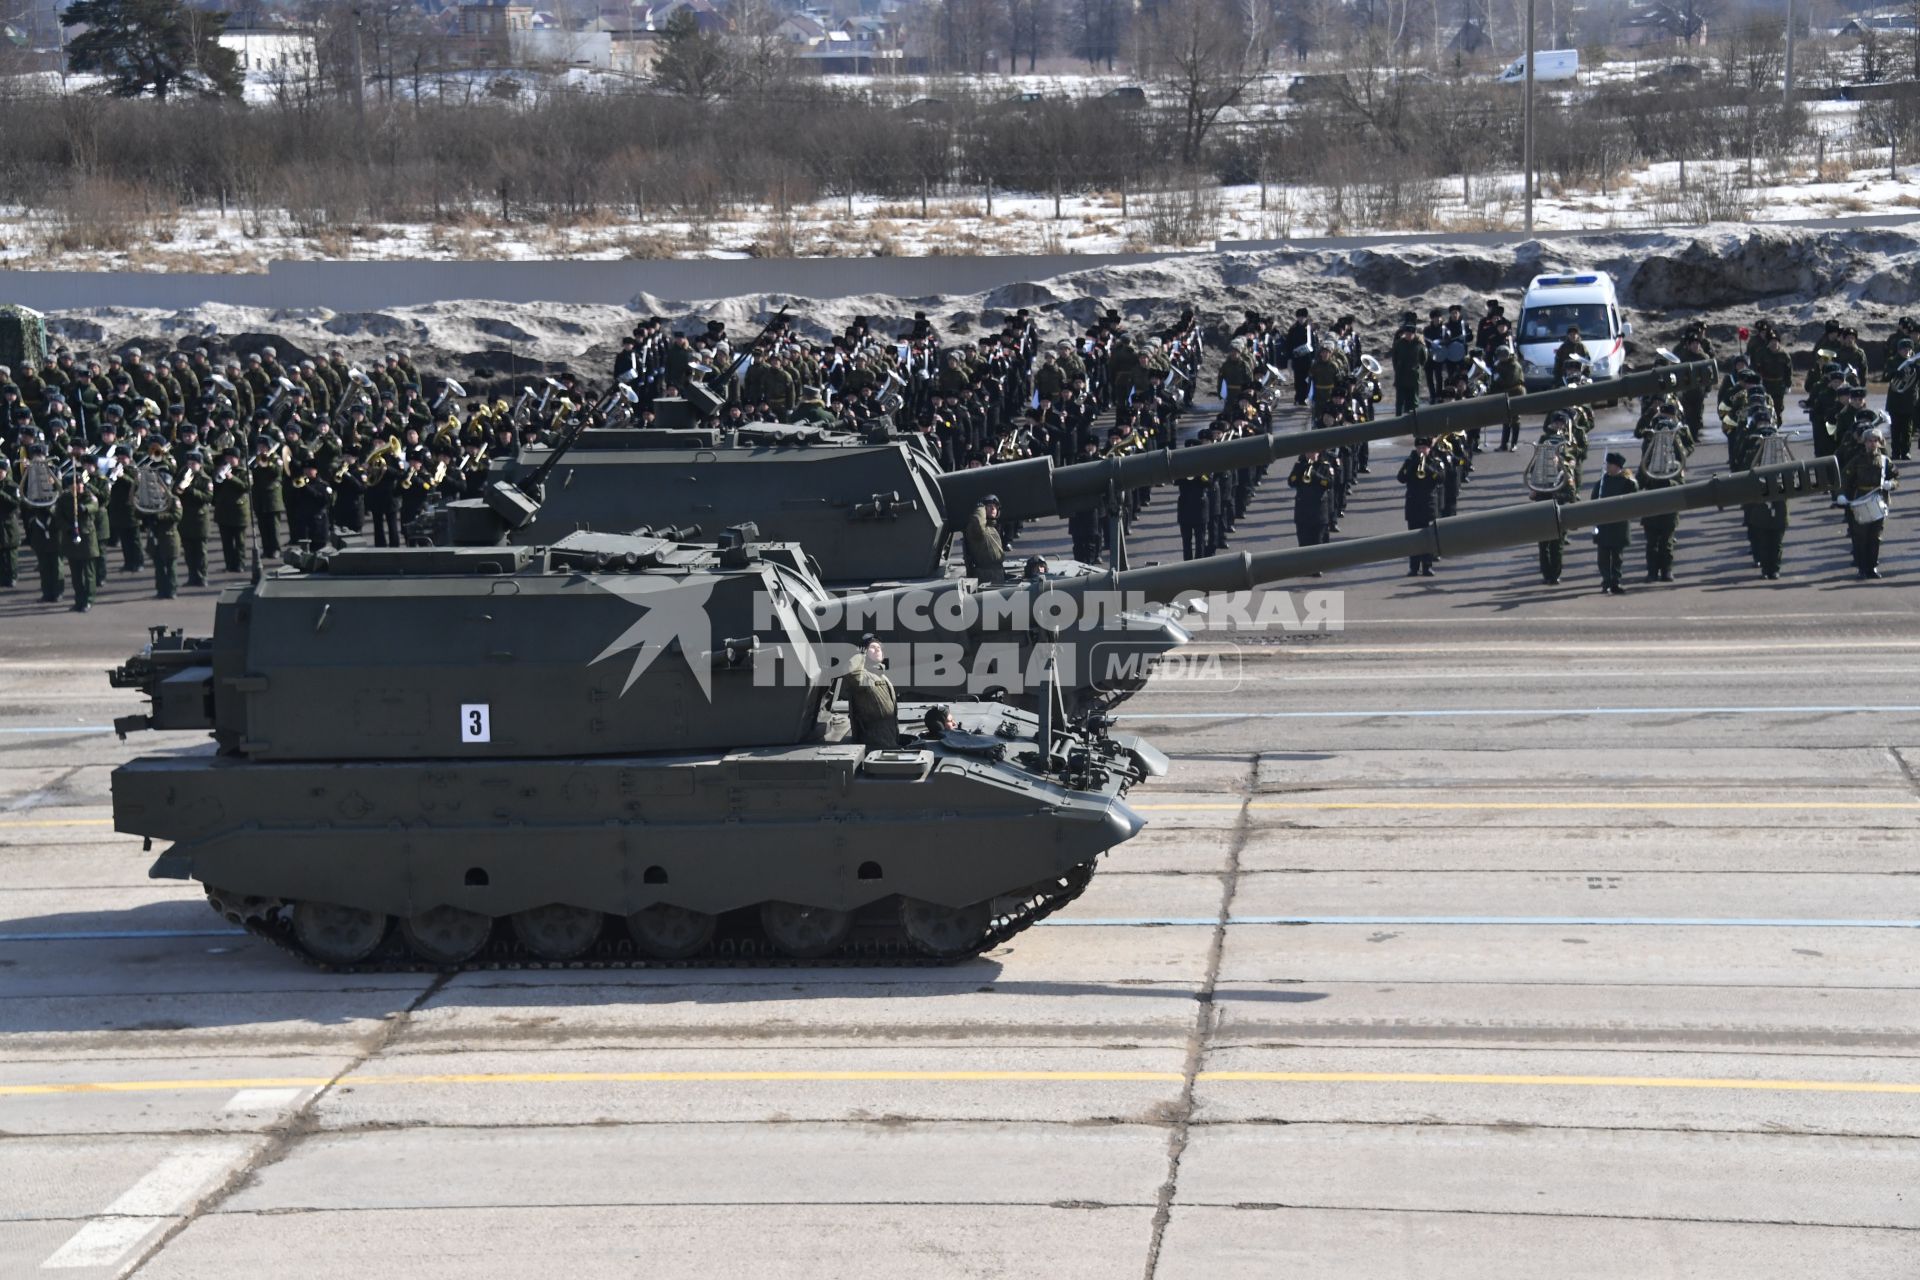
[1455, 352]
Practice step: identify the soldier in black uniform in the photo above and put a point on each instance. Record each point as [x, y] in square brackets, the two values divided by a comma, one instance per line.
[123, 529]
[310, 508]
[350, 491]
[1868, 480]
[1903, 396]
[1312, 481]
[1301, 338]
[1424, 474]
[417, 487]
[1612, 539]
[1196, 493]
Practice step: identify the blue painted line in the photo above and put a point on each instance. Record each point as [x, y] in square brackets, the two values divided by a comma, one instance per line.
[74, 728]
[1407, 713]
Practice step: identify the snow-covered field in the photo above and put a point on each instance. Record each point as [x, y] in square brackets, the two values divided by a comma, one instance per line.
[1098, 222]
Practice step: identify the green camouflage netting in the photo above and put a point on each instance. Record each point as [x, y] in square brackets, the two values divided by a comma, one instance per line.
[23, 338]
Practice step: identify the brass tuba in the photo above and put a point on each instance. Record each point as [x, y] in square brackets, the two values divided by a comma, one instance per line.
[1660, 454]
[1551, 468]
[376, 463]
[40, 485]
[151, 482]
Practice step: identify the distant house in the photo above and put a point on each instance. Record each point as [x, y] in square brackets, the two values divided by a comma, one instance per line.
[635, 52]
[275, 51]
[801, 29]
[486, 33]
[709, 17]
[1879, 24]
[1662, 25]
[1470, 39]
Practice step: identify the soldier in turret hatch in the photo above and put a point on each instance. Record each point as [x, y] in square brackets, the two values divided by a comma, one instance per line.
[985, 549]
[872, 706]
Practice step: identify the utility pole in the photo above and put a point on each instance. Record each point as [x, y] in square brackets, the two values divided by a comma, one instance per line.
[359, 78]
[1526, 146]
[1787, 93]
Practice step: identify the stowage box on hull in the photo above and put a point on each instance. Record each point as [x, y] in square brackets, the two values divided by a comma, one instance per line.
[809, 824]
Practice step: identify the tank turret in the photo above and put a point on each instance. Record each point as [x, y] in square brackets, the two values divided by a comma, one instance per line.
[883, 512]
[504, 750]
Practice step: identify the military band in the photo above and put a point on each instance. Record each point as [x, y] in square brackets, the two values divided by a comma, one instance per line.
[131, 457]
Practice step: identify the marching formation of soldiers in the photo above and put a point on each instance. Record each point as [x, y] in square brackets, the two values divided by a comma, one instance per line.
[158, 461]
[137, 460]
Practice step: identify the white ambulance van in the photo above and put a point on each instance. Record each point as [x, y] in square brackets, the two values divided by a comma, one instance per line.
[1555, 303]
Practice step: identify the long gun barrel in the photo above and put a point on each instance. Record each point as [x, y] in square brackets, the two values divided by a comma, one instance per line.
[1034, 487]
[726, 376]
[530, 484]
[1464, 535]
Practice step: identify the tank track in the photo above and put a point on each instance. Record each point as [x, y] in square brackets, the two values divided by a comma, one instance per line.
[737, 943]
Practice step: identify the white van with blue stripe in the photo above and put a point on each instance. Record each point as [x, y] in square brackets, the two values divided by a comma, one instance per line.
[1551, 305]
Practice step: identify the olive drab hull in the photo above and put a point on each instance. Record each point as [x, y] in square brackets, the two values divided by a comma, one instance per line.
[832, 827]
[615, 750]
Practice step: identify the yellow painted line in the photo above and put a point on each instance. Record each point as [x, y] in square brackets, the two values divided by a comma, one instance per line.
[163, 1086]
[976, 1077]
[803, 1077]
[1587, 1082]
[1622, 805]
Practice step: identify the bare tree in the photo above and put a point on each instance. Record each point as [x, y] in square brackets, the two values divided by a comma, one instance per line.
[1096, 29]
[1029, 25]
[1198, 50]
[763, 57]
[967, 33]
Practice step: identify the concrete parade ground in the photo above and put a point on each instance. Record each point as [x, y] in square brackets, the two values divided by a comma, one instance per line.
[1511, 931]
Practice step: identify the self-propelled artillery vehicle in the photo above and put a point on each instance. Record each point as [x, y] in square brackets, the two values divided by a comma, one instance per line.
[884, 511]
[621, 749]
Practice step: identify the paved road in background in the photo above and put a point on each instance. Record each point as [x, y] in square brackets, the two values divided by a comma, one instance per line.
[1511, 931]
